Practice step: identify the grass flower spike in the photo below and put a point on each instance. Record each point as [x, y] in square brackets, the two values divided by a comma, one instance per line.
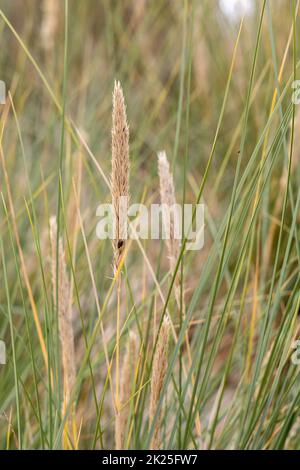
[120, 172]
[66, 333]
[159, 369]
[127, 389]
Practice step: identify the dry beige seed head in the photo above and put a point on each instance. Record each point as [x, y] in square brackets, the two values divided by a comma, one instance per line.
[120, 172]
[127, 389]
[159, 369]
[167, 197]
[200, 64]
[50, 10]
[64, 311]
[138, 11]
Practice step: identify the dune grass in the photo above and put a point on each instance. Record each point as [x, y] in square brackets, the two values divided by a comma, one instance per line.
[216, 94]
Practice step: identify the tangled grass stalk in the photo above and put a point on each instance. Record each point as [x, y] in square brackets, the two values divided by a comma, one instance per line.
[61, 300]
[120, 196]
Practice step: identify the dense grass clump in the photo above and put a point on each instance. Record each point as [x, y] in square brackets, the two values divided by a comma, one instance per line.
[141, 343]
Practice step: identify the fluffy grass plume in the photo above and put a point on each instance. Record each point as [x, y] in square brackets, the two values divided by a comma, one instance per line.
[127, 389]
[120, 172]
[171, 222]
[167, 197]
[159, 368]
[64, 310]
[216, 90]
[49, 25]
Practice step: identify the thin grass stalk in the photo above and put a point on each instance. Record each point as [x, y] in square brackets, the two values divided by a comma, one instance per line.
[22, 260]
[120, 196]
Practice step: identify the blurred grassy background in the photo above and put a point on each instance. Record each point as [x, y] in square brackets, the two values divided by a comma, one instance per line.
[148, 46]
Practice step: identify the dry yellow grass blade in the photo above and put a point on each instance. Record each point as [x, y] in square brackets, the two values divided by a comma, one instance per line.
[95, 293]
[273, 226]
[20, 251]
